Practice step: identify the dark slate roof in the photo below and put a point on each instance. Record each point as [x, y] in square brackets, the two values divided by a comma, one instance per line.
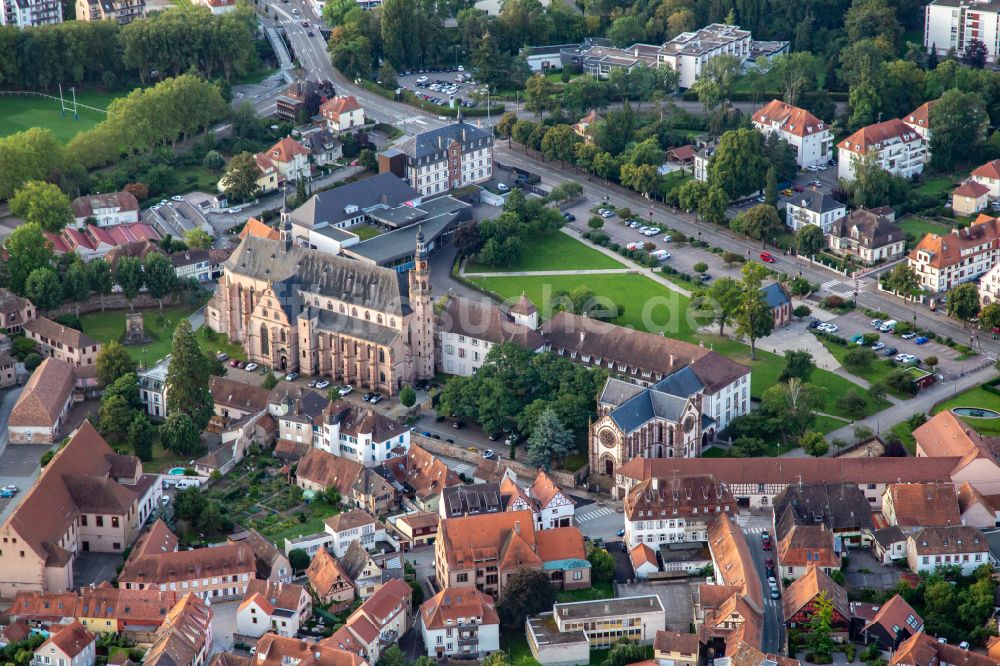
[617, 391]
[816, 201]
[390, 247]
[775, 295]
[839, 506]
[385, 189]
[683, 383]
[874, 230]
[329, 275]
[436, 141]
[356, 328]
[648, 405]
[471, 500]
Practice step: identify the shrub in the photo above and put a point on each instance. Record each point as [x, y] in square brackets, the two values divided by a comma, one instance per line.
[32, 361]
[802, 311]
[700, 267]
[595, 222]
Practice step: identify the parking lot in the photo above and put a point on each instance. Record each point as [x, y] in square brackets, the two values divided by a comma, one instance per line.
[440, 86]
[825, 181]
[853, 323]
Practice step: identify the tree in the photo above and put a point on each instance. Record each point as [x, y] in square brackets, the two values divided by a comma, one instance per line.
[771, 187]
[160, 276]
[723, 299]
[76, 282]
[187, 378]
[989, 318]
[527, 592]
[43, 288]
[189, 504]
[28, 249]
[748, 447]
[963, 301]
[407, 396]
[901, 382]
[715, 85]
[99, 278]
[790, 408]
[796, 72]
[32, 361]
[801, 311]
[140, 437]
[42, 203]
[559, 143]
[367, 159]
[754, 319]
[495, 659]
[858, 359]
[214, 161]
[113, 361]
[760, 222]
[392, 656]
[690, 194]
[902, 280]
[739, 165]
[975, 54]
[642, 178]
[129, 276]
[602, 564]
[814, 443]
[713, 207]
[269, 381]
[198, 238]
[798, 364]
[299, 559]
[809, 240]
[35, 154]
[595, 222]
[332, 496]
[960, 125]
[931, 362]
[862, 433]
[877, 391]
[819, 639]
[852, 403]
[872, 185]
[240, 178]
[624, 651]
[116, 416]
[549, 439]
[700, 267]
[626, 31]
[180, 434]
[540, 95]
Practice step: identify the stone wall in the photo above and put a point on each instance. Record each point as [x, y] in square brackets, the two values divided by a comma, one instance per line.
[113, 302]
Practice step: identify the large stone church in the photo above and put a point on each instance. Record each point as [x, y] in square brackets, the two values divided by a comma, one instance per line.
[296, 309]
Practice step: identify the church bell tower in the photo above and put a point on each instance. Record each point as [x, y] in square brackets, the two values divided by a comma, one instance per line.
[423, 311]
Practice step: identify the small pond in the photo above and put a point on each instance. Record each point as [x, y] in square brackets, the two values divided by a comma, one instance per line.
[976, 412]
[176, 471]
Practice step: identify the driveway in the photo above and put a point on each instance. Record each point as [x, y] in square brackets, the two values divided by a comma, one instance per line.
[865, 571]
[93, 568]
[623, 564]
[223, 625]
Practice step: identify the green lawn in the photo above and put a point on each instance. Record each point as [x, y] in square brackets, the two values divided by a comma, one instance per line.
[24, 112]
[826, 424]
[319, 512]
[365, 231]
[902, 430]
[554, 252]
[916, 228]
[938, 187]
[110, 325]
[602, 590]
[976, 397]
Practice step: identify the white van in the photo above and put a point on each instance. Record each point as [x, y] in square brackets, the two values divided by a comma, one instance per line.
[188, 483]
[887, 327]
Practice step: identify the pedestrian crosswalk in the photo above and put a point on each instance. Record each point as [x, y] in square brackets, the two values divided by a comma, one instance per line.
[462, 468]
[838, 287]
[755, 530]
[595, 513]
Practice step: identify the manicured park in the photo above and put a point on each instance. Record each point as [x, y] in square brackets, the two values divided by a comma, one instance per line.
[554, 252]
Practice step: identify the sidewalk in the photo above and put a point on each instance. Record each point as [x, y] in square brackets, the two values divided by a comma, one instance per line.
[586, 271]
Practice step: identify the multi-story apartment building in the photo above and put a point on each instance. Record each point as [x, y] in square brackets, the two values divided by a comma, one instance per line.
[361, 434]
[688, 52]
[943, 261]
[278, 607]
[809, 137]
[899, 149]
[988, 175]
[447, 158]
[676, 510]
[123, 11]
[27, 13]
[867, 236]
[88, 498]
[953, 24]
[813, 207]
[962, 546]
[467, 329]
[379, 621]
[62, 342]
[460, 622]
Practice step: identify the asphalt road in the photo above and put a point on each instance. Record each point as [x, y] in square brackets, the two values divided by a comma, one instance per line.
[773, 642]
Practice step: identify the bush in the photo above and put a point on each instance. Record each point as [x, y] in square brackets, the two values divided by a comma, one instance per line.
[595, 222]
[802, 311]
[32, 361]
[700, 267]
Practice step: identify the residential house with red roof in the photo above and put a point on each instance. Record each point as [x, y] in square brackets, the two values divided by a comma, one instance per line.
[808, 136]
[978, 460]
[331, 583]
[682, 509]
[988, 175]
[960, 546]
[484, 550]
[912, 506]
[421, 476]
[67, 645]
[339, 533]
[893, 622]
[105, 209]
[62, 342]
[801, 598]
[942, 261]
[88, 498]
[93, 242]
[15, 311]
[898, 148]
[460, 622]
[342, 113]
[378, 623]
[278, 607]
[923, 650]
[138, 614]
[275, 650]
[41, 410]
[977, 509]
[644, 561]
[185, 637]
[970, 197]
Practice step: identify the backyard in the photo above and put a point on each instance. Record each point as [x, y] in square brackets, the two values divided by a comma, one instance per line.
[554, 252]
[916, 228]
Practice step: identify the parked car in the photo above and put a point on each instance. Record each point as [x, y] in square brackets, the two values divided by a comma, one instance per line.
[875, 323]
[488, 454]
[705, 277]
[345, 389]
[878, 345]
[767, 257]
[367, 396]
[908, 336]
[621, 533]
[457, 424]
[569, 217]
[775, 594]
[787, 191]
[606, 214]
[765, 541]
[322, 384]
[291, 376]
[6, 493]
[250, 367]
[667, 238]
[377, 398]
[890, 351]
[921, 340]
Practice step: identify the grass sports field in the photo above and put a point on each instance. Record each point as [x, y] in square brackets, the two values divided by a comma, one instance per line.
[21, 112]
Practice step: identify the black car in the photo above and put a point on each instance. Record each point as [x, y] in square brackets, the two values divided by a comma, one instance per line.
[890, 351]
[705, 277]
[367, 396]
[569, 217]
[457, 424]
[814, 323]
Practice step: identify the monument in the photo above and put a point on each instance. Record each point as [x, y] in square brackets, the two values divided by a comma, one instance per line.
[135, 330]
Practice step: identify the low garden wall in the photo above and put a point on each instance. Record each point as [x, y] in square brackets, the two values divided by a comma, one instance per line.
[113, 302]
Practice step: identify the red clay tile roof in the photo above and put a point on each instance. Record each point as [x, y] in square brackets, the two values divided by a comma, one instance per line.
[56, 332]
[326, 575]
[285, 596]
[238, 395]
[971, 188]
[157, 539]
[328, 470]
[945, 540]
[338, 105]
[483, 536]
[924, 504]
[348, 520]
[545, 490]
[734, 561]
[990, 170]
[182, 565]
[808, 544]
[791, 119]
[425, 473]
[183, 634]
[485, 321]
[896, 612]
[274, 650]
[673, 641]
[923, 650]
[388, 600]
[123, 201]
[947, 435]
[948, 249]
[420, 520]
[642, 554]
[920, 116]
[446, 607]
[44, 396]
[286, 150]
[71, 639]
[560, 543]
[866, 138]
[813, 583]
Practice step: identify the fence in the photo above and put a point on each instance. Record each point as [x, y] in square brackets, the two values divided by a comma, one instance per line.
[52, 97]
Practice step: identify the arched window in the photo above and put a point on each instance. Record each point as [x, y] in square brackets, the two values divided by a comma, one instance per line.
[381, 356]
[282, 335]
[329, 305]
[354, 312]
[265, 346]
[368, 316]
[380, 319]
[342, 309]
[315, 301]
[276, 317]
